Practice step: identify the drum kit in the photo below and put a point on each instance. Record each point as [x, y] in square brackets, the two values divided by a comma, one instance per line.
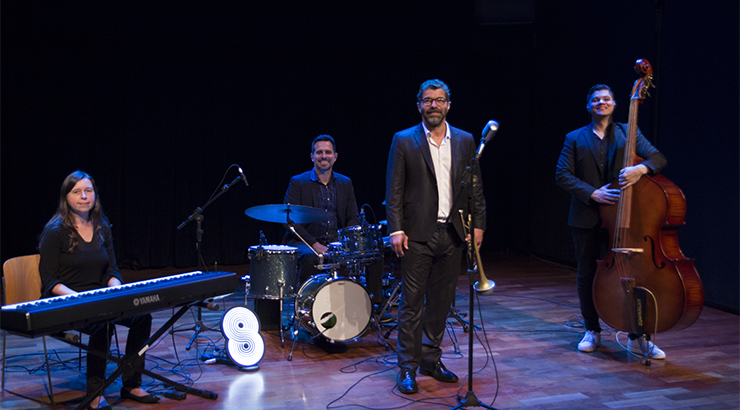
[333, 303]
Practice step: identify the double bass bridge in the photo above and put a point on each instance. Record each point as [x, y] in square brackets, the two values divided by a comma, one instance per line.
[628, 251]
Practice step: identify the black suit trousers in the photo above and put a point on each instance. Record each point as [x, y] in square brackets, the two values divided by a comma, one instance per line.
[430, 271]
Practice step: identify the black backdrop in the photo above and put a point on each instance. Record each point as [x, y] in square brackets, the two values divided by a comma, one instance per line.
[156, 99]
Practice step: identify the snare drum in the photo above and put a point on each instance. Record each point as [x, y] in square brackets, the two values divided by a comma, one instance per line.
[272, 267]
[359, 242]
[323, 300]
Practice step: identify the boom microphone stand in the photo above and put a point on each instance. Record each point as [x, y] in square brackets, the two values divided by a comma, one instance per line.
[485, 287]
[197, 215]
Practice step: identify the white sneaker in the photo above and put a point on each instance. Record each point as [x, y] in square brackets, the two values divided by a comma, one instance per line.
[591, 340]
[641, 347]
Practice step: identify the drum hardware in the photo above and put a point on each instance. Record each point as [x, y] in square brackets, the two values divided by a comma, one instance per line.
[393, 298]
[338, 308]
[290, 215]
[283, 213]
[286, 213]
[361, 241]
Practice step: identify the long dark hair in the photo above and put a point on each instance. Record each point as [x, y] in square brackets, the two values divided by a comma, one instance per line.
[64, 216]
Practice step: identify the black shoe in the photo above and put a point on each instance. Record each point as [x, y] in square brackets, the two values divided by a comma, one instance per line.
[438, 371]
[406, 381]
[330, 347]
[148, 399]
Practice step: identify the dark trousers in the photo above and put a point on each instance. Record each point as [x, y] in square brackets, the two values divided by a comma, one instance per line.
[140, 328]
[430, 271]
[590, 245]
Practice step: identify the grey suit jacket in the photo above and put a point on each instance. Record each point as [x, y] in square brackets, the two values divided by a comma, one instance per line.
[578, 170]
[411, 185]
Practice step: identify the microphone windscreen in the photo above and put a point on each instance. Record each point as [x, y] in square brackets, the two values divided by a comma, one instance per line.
[489, 130]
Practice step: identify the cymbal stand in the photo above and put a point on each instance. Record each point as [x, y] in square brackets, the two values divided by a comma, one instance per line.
[395, 295]
[297, 317]
[197, 216]
[291, 226]
[393, 298]
[281, 285]
[458, 316]
[455, 314]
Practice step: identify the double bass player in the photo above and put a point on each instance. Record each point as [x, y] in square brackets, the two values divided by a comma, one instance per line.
[591, 159]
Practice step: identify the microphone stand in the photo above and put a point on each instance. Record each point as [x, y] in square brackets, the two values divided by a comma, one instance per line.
[469, 181]
[197, 216]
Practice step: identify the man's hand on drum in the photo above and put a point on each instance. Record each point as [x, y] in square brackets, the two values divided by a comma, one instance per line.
[399, 242]
[319, 248]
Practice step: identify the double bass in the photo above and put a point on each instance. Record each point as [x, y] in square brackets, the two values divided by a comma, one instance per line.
[645, 284]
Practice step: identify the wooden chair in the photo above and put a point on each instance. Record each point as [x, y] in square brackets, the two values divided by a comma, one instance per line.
[23, 284]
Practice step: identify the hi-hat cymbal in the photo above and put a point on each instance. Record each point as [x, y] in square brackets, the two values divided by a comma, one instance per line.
[279, 213]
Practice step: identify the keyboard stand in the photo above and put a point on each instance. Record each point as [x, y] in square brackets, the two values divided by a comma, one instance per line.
[132, 361]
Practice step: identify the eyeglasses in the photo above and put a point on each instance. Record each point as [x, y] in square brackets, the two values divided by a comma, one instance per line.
[427, 102]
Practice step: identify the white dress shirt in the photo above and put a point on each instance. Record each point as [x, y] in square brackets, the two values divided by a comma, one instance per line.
[442, 159]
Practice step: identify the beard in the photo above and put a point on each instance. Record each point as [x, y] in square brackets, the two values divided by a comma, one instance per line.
[435, 121]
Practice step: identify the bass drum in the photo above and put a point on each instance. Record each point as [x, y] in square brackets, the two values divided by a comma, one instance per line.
[338, 308]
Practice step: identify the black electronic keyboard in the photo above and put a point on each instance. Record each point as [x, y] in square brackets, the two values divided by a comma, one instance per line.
[61, 313]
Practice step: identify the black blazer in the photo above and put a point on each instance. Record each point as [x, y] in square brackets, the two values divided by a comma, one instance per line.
[411, 186]
[303, 191]
[578, 170]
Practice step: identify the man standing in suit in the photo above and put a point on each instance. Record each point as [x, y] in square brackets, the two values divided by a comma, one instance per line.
[425, 167]
[591, 159]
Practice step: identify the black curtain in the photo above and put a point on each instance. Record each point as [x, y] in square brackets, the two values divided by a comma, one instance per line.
[157, 99]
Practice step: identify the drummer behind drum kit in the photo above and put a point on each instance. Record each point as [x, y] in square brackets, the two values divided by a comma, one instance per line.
[337, 307]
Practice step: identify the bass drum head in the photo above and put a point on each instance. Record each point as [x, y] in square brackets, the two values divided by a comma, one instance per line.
[344, 299]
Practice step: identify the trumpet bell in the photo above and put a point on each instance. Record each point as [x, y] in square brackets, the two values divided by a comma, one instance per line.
[484, 288]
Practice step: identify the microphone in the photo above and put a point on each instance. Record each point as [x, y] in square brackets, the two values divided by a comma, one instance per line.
[363, 220]
[245, 178]
[488, 132]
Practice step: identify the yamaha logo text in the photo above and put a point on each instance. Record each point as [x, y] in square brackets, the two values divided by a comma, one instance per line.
[146, 299]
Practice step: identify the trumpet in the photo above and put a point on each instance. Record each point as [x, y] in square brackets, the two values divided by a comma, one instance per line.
[483, 286]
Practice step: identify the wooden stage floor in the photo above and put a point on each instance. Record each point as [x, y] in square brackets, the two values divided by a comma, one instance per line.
[531, 330]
